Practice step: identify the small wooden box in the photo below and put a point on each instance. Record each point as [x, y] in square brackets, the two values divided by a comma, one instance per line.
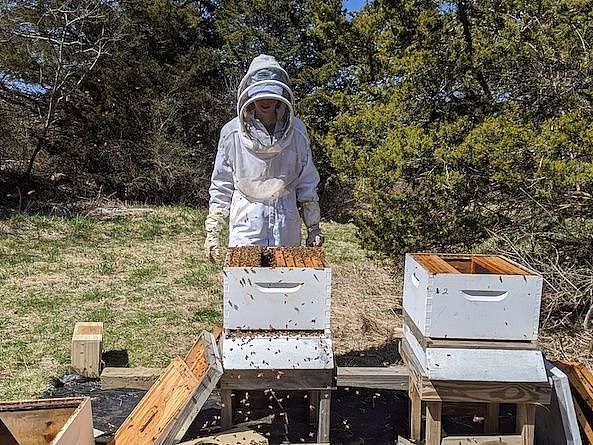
[272, 297]
[87, 347]
[471, 297]
[66, 421]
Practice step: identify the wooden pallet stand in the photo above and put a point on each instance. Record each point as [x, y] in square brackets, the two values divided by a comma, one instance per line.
[168, 408]
[65, 421]
[87, 344]
[434, 393]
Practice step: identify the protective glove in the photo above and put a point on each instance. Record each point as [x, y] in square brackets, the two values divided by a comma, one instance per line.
[311, 217]
[214, 224]
[314, 238]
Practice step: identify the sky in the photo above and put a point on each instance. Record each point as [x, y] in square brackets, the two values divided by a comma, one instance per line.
[353, 5]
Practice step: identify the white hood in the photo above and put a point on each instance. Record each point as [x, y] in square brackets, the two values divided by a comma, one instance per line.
[265, 79]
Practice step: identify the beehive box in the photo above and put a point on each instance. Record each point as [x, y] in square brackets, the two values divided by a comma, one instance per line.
[471, 297]
[65, 421]
[284, 350]
[279, 288]
[477, 364]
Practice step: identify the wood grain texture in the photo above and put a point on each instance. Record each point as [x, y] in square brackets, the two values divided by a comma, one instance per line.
[498, 265]
[526, 422]
[434, 263]
[41, 422]
[130, 378]
[153, 417]
[482, 440]
[87, 347]
[281, 379]
[323, 409]
[433, 423]
[393, 378]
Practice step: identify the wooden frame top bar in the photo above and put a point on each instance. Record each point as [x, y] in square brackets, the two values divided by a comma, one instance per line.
[255, 256]
[439, 263]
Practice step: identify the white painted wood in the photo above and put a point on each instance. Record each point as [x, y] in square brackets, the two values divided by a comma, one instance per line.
[556, 423]
[279, 298]
[278, 351]
[472, 306]
[481, 365]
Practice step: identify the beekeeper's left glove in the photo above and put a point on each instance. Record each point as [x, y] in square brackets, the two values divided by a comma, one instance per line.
[214, 224]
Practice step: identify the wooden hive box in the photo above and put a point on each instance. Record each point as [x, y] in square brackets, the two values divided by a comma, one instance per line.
[171, 404]
[65, 421]
[482, 297]
[276, 289]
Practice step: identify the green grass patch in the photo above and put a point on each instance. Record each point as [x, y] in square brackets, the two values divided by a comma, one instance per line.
[144, 276]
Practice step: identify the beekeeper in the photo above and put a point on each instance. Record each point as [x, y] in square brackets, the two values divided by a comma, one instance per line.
[264, 170]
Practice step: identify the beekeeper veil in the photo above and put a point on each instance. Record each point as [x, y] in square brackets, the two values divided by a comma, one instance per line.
[265, 79]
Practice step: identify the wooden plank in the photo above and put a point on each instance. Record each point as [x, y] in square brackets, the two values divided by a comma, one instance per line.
[324, 409]
[280, 379]
[6, 437]
[87, 344]
[483, 440]
[168, 408]
[59, 421]
[433, 423]
[308, 262]
[152, 419]
[499, 265]
[131, 378]
[500, 392]
[580, 379]
[318, 263]
[526, 422]
[289, 259]
[415, 413]
[583, 421]
[279, 258]
[434, 263]
[394, 378]
[491, 420]
[239, 438]
[226, 408]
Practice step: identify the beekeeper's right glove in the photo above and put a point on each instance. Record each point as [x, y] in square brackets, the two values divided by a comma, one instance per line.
[214, 224]
[311, 216]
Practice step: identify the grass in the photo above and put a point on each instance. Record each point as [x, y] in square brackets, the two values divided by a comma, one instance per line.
[144, 276]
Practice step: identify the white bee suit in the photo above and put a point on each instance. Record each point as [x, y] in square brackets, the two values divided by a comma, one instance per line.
[260, 178]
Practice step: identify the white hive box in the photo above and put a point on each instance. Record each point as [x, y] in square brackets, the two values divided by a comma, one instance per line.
[478, 297]
[269, 350]
[290, 293]
[473, 364]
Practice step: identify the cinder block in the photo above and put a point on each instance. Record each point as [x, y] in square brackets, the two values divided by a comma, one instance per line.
[87, 347]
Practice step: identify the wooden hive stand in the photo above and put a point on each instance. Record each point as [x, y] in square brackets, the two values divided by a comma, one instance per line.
[430, 395]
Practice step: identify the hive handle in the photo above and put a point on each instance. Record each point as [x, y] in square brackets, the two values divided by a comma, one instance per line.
[484, 295]
[275, 287]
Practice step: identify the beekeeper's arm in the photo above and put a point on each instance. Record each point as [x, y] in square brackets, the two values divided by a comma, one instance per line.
[306, 192]
[221, 193]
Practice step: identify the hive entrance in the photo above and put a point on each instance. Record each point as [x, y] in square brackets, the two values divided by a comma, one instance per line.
[254, 256]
